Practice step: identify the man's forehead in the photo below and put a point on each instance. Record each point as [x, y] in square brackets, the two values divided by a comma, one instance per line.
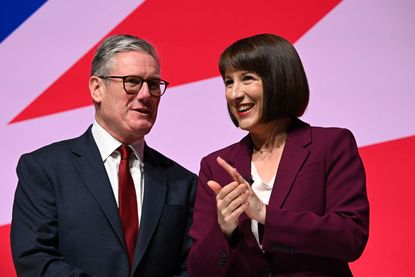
[132, 58]
[136, 54]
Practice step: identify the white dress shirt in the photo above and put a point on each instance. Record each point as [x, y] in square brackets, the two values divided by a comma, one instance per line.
[111, 157]
[263, 191]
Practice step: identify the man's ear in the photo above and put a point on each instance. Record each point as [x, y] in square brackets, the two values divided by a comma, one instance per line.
[96, 88]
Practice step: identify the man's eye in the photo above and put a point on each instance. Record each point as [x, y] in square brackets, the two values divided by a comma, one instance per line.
[153, 84]
[133, 81]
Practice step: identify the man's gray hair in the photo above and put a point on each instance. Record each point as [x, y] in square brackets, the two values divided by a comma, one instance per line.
[101, 64]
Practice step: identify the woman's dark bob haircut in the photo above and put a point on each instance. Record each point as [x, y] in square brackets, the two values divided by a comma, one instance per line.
[276, 61]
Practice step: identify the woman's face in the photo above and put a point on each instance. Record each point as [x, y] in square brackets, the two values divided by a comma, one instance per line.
[245, 97]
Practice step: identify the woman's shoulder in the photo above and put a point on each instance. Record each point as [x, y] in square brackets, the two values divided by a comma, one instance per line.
[319, 136]
[330, 130]
[300, 126]
[329, 133]
[333, 139]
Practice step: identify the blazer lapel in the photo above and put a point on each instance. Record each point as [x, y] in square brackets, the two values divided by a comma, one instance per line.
[155, 189]
[90, 167]
[293, 157]
[241, 158]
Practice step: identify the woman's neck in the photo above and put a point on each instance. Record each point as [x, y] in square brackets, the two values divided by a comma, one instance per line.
[271, 135]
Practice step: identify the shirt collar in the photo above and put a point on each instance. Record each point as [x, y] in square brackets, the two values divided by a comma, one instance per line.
[107, 144]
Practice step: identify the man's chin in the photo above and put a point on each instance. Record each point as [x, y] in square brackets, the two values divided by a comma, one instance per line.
[142, 130]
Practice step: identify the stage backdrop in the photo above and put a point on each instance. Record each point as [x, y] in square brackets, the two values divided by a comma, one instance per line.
[359, 56]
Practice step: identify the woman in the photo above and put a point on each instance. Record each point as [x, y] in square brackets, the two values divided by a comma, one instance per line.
[288, 199]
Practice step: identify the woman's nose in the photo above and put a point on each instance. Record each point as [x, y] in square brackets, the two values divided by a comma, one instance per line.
[237, 91]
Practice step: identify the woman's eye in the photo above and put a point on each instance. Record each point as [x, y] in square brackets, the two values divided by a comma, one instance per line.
[228, 83]
[248, 78]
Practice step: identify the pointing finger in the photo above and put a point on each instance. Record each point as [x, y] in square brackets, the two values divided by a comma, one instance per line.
[233, 172]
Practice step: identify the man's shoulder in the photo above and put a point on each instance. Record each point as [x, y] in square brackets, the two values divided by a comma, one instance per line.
[58, 149]
[160, 160]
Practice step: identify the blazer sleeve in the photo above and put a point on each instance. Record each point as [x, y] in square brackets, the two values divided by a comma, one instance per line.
[187, 242]
[35, 219]
[341, 232]
[211, 253]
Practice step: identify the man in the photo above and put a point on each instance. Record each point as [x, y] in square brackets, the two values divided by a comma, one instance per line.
[106, 204]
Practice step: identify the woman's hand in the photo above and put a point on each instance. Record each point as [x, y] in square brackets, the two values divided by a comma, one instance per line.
[256, 208]
[234, 199]
[231, 202]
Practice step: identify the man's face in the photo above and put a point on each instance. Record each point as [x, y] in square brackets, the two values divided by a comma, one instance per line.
[127, 117]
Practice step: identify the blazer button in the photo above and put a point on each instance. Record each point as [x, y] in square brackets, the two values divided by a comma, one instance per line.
[267, 271]
[282, 248]
[223, 258]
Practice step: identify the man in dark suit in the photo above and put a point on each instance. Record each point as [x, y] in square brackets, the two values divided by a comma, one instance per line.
[106, 204]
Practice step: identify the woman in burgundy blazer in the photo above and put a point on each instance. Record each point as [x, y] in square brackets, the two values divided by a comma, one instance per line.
[288, 199]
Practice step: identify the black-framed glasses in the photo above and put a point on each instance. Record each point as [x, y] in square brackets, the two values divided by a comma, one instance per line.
[133, 84]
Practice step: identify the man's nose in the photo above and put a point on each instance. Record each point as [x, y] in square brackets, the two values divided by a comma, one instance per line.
[144, 91]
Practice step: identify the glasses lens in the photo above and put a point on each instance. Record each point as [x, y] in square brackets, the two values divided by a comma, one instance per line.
[155, 87]
[163, 86]
[133, 84]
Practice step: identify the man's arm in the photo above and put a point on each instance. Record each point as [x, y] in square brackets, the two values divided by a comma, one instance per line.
[34, 229]
[187, 242]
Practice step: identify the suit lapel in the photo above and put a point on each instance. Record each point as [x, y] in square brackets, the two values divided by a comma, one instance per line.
[90, 167]
[155, 189]
[293, 157]
[241, 158]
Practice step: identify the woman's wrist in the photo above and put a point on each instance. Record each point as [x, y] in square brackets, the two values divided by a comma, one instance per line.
[262, 213]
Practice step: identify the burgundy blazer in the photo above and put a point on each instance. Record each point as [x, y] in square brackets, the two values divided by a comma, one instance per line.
[317, 219]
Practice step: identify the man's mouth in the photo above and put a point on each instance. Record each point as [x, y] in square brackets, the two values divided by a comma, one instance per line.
[142, 110]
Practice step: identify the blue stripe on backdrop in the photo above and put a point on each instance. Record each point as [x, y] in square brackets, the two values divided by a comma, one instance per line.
[15, 12]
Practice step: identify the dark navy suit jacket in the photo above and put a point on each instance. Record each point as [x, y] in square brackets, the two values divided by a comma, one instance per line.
[66, 222]
[317, 218]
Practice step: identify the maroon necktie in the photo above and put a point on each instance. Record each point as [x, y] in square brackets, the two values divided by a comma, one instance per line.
[127, 202]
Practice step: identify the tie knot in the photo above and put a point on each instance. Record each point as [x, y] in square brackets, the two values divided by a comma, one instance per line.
[125, 152]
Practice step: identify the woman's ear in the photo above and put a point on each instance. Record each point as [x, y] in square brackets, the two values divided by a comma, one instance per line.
[96, 88]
